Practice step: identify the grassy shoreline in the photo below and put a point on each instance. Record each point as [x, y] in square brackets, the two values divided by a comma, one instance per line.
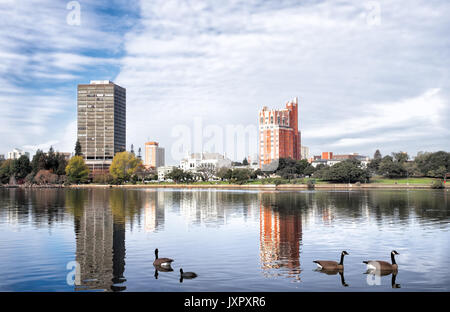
[376, 183]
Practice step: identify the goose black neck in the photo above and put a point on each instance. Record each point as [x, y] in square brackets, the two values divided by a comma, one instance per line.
[393, 258]
[342, 259]
[156, 254]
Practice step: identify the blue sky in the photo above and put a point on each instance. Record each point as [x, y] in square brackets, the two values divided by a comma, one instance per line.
[368, 74]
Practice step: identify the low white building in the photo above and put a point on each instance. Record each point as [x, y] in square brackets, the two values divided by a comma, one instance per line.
[331, 162]
[163, 171]
[16, 153]
[195, 161]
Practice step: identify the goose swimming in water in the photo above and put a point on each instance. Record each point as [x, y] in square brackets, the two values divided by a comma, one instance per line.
[383, 266]
[328, 265]
[163, 262]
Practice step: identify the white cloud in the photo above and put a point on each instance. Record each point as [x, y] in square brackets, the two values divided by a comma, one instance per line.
[225, 61]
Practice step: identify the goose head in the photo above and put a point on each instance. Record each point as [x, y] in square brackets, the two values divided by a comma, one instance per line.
[344, 253]
[393, 252]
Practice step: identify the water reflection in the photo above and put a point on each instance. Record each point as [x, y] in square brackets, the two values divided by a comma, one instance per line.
[273, 233]
[280, 235]
[100, 240]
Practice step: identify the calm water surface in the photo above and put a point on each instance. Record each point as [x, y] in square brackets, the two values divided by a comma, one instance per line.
[233, 240]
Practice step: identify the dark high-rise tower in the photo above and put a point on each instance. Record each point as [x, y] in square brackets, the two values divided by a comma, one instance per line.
[101, 122]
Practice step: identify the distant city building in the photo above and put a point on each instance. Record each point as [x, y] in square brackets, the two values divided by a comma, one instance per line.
[278, 133]
[101, 122]
[163, 171]
[329, 159]
[154, 155]
[2, 157]
[304, 152]
[211, 160]
[253, 161]
[16, 153]
[327, 155]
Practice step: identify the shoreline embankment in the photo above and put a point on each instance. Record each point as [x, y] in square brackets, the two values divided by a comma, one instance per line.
[272, 187]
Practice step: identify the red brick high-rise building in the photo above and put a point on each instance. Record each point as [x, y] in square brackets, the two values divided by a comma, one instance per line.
[278, 133]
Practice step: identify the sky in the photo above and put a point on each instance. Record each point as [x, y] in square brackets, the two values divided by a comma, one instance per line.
[368, 74]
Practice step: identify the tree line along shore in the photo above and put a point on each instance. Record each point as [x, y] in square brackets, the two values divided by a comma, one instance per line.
[52, 169]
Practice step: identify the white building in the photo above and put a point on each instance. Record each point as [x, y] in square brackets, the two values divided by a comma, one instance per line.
[163, 171]
[304, 152]
[211, 160]
[16, 153]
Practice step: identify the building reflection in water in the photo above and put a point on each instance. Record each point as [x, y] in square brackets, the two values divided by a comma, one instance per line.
[280, 237]
[154, 209]
[213, 208]
[100, 240]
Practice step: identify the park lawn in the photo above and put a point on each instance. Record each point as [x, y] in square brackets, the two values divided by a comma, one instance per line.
[402, 181]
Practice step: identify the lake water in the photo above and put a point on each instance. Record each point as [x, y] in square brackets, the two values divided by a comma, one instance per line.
[104, 239]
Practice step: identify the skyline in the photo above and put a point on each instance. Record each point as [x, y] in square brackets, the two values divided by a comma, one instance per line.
[364, 82]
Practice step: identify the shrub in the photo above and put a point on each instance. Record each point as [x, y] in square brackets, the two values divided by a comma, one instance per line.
[310, 184]
[437, 184]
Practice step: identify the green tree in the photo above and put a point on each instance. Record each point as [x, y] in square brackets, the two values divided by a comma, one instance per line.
[346, 171]
[62, 164]
[78, 148]
[77, 171]
[179, 175]
[21, 167]
[428, 163]
[392, 169]
[400, 157]
[51, 161]
[224, 173]
[377, 155]
[241, 176]
[6, 171]
[245, 162]
[39, 161]
[123, 166]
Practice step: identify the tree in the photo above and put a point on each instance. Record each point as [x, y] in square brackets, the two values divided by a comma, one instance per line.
[62, 164]
[45, 177]
[400, 157]
[241, 175]
[374, 164]
[78, 148]
[123, 166]
[179, 175]
[51, 161]
[245, 162]
[391, 169]
[21, 167]
[377, 155]
[77, 171]
[6, 171]
[309, 171]
[428, 163]
[346, 171]
[206, 172]
[39, 161]
[224, 173]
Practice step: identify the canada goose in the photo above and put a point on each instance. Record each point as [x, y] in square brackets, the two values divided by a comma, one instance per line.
[163, 262]
[327, 265]
[383, 266]
[187, 274]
